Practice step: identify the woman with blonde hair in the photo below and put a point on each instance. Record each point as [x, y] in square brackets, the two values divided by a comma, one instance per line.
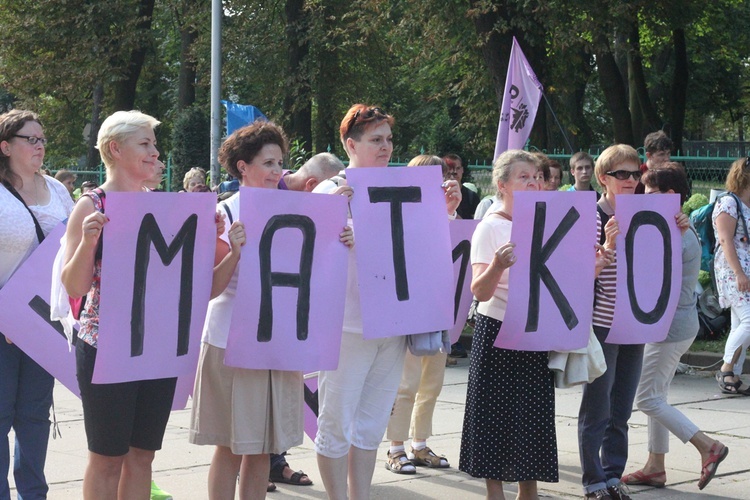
[124, 422]
[421, 381]
[731, 218]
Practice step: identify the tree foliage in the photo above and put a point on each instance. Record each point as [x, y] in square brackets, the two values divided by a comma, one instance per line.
[612, 71]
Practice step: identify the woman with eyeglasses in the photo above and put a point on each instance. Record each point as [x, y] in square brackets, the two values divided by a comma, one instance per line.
[355, 400]
[660, 359]
[732, 268]
[31, 205]
[509, 425]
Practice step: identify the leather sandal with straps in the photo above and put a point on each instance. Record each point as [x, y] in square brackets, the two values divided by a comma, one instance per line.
[428, 458]
[399, 463]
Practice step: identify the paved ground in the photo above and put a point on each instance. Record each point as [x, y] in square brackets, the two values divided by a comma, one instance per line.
[182, 468]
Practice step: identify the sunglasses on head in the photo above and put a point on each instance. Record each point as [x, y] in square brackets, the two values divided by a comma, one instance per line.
[365, 116]
[622, 175]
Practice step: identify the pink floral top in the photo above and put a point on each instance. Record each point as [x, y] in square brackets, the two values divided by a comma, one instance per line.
[89, 331]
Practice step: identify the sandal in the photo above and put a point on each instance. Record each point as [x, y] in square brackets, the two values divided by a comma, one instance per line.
[427, 457]
[298, 478]
[271, 487]
[637, 478]
[728, 387]
[399, 463]
[708, 470]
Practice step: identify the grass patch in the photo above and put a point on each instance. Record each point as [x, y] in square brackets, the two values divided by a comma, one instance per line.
[708, 346]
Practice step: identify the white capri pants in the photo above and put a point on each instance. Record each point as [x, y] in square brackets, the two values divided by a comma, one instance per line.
[739, 336]
[420, 387]
[355, 400]
[659, 364]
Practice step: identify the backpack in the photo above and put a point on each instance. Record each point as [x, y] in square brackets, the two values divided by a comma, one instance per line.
[702, 219]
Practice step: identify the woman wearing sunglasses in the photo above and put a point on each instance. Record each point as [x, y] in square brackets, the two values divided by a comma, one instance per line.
[355, 400]
[608, 401]
[660, 359]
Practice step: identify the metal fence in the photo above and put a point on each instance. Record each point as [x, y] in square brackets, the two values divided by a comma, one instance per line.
[705, 170]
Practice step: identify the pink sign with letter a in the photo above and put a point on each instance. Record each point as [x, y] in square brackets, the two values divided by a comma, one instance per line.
[289, 308]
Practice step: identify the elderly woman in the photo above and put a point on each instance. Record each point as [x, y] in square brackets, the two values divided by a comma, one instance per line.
[31, 205]
[195, 180]
[509, 425]
[732, 266]
[421, 381]
[124, 422]
[660, 359]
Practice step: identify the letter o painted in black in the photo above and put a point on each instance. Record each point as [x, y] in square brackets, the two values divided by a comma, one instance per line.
[649, 218]
[513, 92]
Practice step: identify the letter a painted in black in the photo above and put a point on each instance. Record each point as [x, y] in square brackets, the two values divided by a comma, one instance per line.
[301, 280]
[462, 250]
[538, 270]
[149, 234]
[640, 219]
[397, 196]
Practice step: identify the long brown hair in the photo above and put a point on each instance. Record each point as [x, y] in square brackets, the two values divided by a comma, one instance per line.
[10, 123]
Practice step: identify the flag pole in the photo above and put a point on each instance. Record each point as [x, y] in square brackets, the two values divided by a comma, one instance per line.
[558, 123]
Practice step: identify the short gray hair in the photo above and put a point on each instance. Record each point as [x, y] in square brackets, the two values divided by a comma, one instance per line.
[503, 165]
[322, 166]
[117, 127]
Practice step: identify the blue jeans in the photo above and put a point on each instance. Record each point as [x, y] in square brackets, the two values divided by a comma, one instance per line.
[25, 401]
[605, 410]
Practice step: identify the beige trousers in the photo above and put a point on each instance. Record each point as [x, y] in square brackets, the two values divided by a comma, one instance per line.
[421, 383]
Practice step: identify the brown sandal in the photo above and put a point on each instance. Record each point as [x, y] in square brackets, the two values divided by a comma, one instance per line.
[427, 457]
[399, 463]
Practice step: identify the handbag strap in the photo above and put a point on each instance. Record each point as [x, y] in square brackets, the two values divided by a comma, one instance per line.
[39, 232]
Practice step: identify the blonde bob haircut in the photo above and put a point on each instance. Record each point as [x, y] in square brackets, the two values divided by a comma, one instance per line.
[738, 178]
[503, 165]
[119, 126]
[612, 157]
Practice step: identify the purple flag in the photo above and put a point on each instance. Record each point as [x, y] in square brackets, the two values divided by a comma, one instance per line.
[520, 102]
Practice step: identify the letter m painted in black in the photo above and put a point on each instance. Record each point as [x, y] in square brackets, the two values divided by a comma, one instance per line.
[150, 234]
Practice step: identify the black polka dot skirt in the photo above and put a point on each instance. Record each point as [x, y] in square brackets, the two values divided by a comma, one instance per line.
[509, 425]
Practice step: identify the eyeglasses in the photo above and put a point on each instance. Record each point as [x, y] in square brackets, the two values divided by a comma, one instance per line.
[32, 139]
[364, 116]
[622, 175]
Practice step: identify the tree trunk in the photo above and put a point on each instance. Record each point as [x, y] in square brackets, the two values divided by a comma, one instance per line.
[495, 49]
[186, 83]
[615, 94]
[636, 113]
[93, 159]
[125, 89]
[297, 99]
[638, 79]
[679, 87]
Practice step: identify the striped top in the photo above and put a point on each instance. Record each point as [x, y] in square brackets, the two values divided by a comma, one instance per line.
[605, 287]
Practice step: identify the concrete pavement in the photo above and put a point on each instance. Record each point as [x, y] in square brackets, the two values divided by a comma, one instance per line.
[182, 468]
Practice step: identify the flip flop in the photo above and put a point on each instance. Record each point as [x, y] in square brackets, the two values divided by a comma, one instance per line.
[708, 470]
[657, 479]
